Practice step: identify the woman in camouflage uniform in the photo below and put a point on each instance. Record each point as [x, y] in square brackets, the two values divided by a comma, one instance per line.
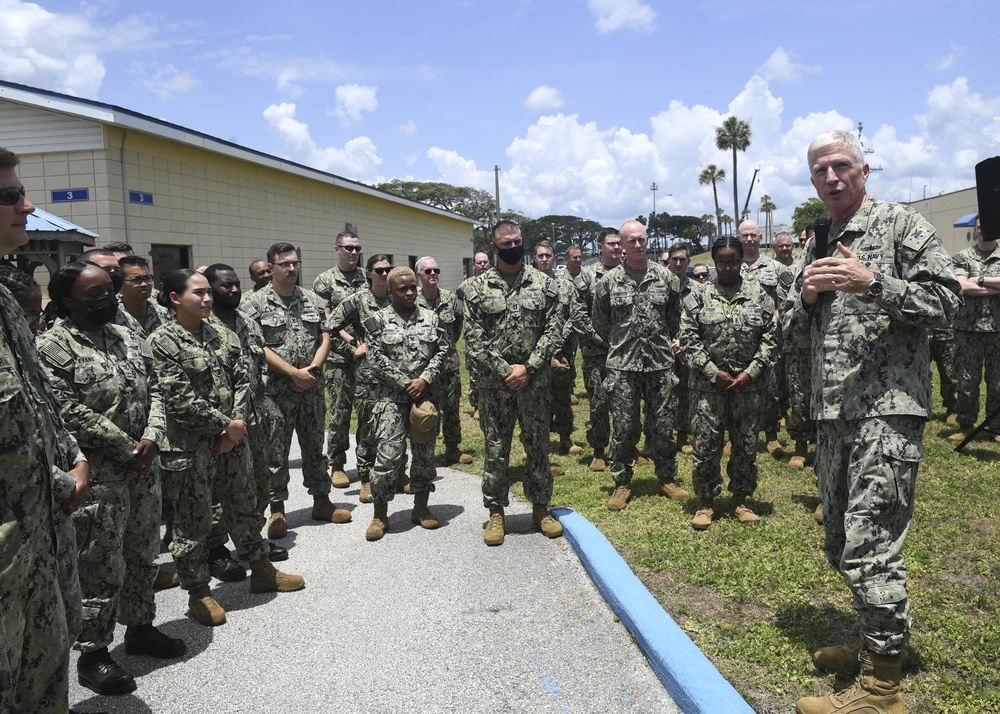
[206, 394]
[728, 337]
[347, 321]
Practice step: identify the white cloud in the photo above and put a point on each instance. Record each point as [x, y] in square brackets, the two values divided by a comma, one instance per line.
[353, 100]
[544, 99]
[289, 74]
[948, 60]
[409, 128]
[782, 67]
[358, 160]
[166, 81]
[611, 15]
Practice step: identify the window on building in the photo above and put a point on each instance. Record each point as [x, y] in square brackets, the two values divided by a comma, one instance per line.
[167, 258]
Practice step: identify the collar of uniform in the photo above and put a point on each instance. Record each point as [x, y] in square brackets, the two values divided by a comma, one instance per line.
[339, 276]
[110, 335]
[855, 225]
[272, 295]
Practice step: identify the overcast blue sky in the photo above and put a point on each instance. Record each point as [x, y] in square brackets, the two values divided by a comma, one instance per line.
[583, 104]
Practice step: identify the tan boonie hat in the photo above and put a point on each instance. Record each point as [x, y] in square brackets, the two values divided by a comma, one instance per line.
[423, 422]
[561, 373]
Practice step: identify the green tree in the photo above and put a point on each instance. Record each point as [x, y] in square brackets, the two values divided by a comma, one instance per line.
[768, 208]
[727, 221]
[709, 226]
[566, 230]
[465, 201]
[712, 174]
[733, 134]
[806, 213]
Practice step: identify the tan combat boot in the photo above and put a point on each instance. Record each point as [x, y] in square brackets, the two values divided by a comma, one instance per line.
[818, 513]
[402, 479]
[339, 479]
[672, 491]
[742, 511]
[265, 578]
[380, 522]
[277, 526]
[204, 607]
[366, 492]
[543, 520]
[493, 533]
[422, 515]
[800, 455]
[962, 434]
[774, 447]
[324, 510]
[844, 659]
[598, 463]
[620, 498]
[566, 446]
[454, 455]
[165, 579]
[875, 691]
[703, 518]
[682, 443]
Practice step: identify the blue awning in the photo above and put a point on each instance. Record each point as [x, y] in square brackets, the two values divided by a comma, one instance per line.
[966, 221]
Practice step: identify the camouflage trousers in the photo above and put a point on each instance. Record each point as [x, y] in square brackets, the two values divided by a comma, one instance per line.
[979, 351]
[867, 470]
[656, 390]
[259, 438]
[473, 382]
[682, 397]
[599, 422]
[798, 386]
[447, 397]
[562, 410]
[391, 428]
[712, 415]
[499, 409]
[339, 378]
[34, 645]
[365, 447]
[194, 481]
[943, 354]
[304, 413]
[769, 417]
[118, 538]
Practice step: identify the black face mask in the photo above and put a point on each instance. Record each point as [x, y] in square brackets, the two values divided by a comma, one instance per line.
[117, 280]
[100, 310]
[512, 255]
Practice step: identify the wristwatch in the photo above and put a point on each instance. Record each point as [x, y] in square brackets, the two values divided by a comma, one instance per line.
[531, 369]
[982, 281]
[876, 286]
[353, 342]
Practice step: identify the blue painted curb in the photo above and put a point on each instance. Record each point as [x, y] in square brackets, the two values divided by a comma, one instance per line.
[689, 676]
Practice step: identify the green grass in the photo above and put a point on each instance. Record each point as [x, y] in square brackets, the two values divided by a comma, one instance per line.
[758, 600]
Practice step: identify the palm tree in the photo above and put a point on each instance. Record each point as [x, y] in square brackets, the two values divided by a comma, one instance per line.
[709, 226]
[733, 134]
[768, 208]
[713, 175]
[727, 221]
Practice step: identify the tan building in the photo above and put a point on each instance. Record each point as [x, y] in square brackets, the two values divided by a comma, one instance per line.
[185, 199]
[945, 210]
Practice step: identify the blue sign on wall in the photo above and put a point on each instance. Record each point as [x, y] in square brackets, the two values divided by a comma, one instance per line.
[71, 194]
[140, 197]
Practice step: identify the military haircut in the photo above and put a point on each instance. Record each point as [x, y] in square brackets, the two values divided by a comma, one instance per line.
[420, 262]
[100, 252]
[605, 232]
[132, 261]
[346, 234]
[278, 248]
[118, 247]
[836, 138]
[8, 159]
[216, 268]
[678, 247]
[503, 227]
[398, 272]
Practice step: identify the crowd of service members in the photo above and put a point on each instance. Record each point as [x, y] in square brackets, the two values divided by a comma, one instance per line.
[183, 401]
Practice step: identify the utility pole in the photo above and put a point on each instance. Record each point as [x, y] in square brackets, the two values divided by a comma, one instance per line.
[496, 178]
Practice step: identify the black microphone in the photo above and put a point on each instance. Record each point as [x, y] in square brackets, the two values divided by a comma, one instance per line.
[821, 237]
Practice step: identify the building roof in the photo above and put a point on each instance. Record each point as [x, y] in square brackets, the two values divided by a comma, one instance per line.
[44, 222]
[112, 115]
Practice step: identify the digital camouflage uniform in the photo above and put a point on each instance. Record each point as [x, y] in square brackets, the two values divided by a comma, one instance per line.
[976, 330]
[205, 385]
[350, 316]
[595, 356]
[35, 450]
[640, 322]
[294, 332]
[156, 316]
[261, 416]
[110, 401]
[399, 349]
[776, 279]
[562, 410]
[682, 391]
[944, 354]
[871, 395]
[447, 393]
[508, 325]
[469, 366]
[333, 286]
[730, 332]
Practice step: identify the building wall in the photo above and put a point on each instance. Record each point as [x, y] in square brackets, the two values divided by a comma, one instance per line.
[942, 212]
[225, 208]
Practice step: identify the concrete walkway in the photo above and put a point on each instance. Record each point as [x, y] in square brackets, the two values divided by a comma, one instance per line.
[421, 621]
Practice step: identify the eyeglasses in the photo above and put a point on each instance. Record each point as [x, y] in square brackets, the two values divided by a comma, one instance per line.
[9, 195]
[382, 271]
[350, 248]
[728, 264]
[289, 264]
[664, 262]
[34, 320]
[700, 276]
[612, 243]
[141, 280]
[432, 271]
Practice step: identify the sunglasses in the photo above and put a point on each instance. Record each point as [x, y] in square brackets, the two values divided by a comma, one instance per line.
[432, 271]
[382, 271]
[9, 195]
[350, 248]
[699, 276]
